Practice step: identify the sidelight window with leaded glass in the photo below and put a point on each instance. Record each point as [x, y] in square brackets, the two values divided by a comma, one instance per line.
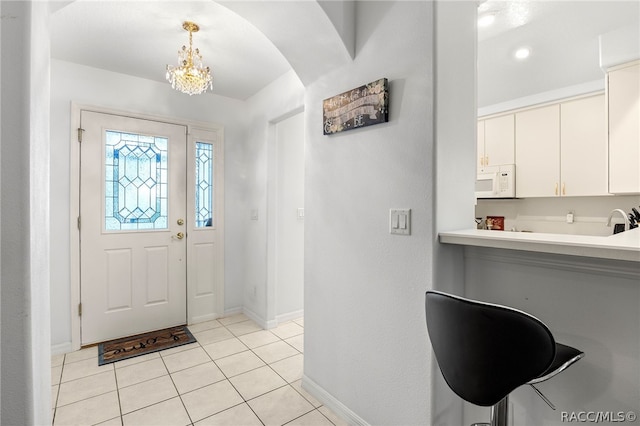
[204, 185]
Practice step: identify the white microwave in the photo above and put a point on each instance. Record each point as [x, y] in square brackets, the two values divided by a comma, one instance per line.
[496, 182]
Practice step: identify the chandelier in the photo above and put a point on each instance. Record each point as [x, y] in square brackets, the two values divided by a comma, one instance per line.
[190, 76]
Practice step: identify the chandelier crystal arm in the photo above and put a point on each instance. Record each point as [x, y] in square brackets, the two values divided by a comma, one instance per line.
[190, 76]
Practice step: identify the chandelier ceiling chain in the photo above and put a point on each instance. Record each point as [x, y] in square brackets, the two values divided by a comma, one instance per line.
[190, 76]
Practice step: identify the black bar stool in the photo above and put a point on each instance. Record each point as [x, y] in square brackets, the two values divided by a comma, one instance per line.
[486, 351]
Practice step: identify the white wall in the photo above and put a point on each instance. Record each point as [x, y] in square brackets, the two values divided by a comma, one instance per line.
[366, 351]
[25, 368]
[455, 130]
[90, 86]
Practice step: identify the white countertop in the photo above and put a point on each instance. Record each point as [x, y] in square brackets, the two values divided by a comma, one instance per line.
[622, 246]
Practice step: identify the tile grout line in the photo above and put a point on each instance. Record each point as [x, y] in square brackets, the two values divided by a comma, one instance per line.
[290, 384]
[287, 383]
[87, 398]
[314, 408]
[231, 383]
[176, 387]
[244, 401]
[55, 408]
[157, 402]
[115, 374]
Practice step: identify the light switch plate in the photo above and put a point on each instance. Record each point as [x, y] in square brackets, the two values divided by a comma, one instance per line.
[400, 221]
[254, 214]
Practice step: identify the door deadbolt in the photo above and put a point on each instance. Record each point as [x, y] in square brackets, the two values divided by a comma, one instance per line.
[180, 222]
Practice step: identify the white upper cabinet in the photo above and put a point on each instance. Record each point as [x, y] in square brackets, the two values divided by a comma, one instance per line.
[538, 152]
[561, 149]
[583, 147]
[624, 128]
[496, 143]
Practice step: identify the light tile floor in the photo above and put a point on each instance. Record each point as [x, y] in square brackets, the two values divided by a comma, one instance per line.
[236, 374]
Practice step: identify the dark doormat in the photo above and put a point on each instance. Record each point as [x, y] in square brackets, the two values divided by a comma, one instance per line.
[142, 344]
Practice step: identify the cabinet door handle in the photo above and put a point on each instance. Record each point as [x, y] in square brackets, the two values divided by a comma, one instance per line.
[556, 190]
[486, 160]
[564, 192]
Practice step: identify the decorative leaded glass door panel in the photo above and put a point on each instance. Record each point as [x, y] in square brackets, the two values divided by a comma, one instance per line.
[133, 211]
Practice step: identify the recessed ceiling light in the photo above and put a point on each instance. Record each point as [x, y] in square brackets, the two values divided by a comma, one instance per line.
[486, 20]
[522, 53]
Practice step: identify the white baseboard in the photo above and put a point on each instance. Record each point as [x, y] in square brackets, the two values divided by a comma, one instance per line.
[266, 324]
[289, 316]
[331, 402]
[258, 320]
[233, 311]
[62, 348]
[203, 318]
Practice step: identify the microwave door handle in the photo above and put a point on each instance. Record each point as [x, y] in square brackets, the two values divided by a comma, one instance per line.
[495, 183]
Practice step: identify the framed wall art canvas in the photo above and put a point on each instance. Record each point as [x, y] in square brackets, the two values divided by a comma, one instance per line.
[360, 107]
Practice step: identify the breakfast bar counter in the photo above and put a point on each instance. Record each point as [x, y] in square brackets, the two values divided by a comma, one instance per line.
[623, 246]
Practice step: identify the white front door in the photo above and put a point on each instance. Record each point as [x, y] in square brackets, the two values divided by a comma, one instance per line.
[133, 225]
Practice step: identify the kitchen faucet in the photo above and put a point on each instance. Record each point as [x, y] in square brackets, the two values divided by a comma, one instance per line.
[624, 216]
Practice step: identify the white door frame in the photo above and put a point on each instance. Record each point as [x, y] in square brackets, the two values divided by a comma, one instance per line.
[272, 320]
[74, 213]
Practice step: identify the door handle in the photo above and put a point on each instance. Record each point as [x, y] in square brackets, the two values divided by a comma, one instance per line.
[179, 235]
